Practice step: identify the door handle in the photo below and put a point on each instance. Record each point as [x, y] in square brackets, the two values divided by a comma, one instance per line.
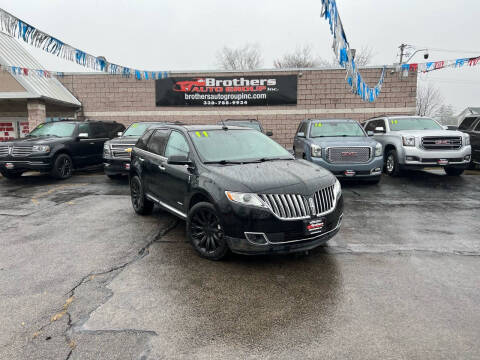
[161, 167]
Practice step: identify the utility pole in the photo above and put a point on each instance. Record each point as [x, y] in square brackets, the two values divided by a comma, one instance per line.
[402, 52]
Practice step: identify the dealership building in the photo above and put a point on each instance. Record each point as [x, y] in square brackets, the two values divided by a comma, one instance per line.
[279, 99]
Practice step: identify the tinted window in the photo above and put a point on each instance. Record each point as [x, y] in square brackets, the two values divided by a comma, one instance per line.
[374, 124]
[157, 142]
[477, 128]
[302, 128]
[113, 129]
[467, 123]
[55, 129]
[236, 145]
[143, 141]
[98, 131]
[177, 145]
[84, 128]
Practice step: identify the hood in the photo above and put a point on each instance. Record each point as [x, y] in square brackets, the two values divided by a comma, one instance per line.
[42, 140]
[124, 140]
[344, 141]
[275, 177]
[421, 133]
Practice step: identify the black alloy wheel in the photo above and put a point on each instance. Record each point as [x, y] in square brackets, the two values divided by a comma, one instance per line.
[62, 167]
[205, 232]
[140, 203]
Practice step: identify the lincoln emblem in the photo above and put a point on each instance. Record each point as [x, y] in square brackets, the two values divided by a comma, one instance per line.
[311, 202]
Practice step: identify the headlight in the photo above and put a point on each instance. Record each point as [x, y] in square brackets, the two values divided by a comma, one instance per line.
[316, 150]
[337, 188]
[244, 198]
[106, 150]
[408, 140]
[378, 149]
[41, 148]
[467, 140]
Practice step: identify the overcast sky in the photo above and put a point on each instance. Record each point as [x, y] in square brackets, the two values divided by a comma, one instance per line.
[185, 34]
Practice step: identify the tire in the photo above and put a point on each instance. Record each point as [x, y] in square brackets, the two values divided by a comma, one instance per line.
[451, 171]
[62, 167]
[392, 167]
[205, 232]
[140, 203]
[11, 175]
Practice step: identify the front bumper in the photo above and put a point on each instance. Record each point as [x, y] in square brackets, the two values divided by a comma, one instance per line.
[415, 157]
[366, 170]
[116, 166]
[32, 163]
[278, 236]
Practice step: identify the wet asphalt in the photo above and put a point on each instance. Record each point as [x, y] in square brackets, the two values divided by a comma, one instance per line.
[83, 277]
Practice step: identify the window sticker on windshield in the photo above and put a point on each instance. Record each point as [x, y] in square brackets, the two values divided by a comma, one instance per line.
[318, 125]
[134, 125]
[41, 125]
[200, 134]
[394, 122]
[205, 134]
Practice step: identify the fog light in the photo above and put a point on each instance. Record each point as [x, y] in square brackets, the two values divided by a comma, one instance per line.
[468, 158]
[9, 166]
[127, 166]
[412, 158]
[376, 171]
[256, 238]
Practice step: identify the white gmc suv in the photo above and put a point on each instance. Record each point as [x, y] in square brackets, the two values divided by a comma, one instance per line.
[417, 142]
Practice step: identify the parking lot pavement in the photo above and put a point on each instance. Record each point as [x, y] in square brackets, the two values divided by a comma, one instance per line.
[82, 277]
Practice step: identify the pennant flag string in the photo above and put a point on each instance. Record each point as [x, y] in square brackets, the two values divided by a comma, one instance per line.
[345, 55]
[19, 29]
[438, 65]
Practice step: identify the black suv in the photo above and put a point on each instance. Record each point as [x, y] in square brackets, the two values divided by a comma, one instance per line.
[116, 152]
[57, 147]
[250, 123]
[238, 190]
[471, 126]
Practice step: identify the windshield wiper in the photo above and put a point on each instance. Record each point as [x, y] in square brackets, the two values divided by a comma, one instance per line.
[274, 159]
[224, 162]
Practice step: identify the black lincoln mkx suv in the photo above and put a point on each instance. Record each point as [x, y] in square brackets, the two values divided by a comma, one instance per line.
[237, 189]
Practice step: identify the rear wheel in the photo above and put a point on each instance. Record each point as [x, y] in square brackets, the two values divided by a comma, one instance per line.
[205, 232]
[140, 203]
[392, 167]
[62, 167]
[451, 171]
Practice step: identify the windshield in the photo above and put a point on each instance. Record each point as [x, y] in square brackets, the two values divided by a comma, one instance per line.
[335, 128]
[236, 146]
[54, 129]
[414, 123]
[137, 129]
[250, 124]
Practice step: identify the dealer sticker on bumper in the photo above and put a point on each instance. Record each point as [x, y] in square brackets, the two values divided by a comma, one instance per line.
[315, 226]
[442, 162]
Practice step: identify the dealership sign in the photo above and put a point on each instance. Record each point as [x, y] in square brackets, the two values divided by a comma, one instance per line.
[227, 91]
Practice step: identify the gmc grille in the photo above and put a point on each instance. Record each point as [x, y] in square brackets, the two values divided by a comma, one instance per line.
[118, 151]
[441, 143]
[20, 151]
[293, 206]
[3, 150]
[349, 154]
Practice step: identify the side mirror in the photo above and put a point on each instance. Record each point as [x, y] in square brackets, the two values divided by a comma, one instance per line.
[269, 133]
[301, 135]
[379, 130]
[179, 160]
[370, 133]
[83, 136]
[119, 133]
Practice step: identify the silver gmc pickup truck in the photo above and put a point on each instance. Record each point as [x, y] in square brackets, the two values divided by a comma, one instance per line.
[411, 142]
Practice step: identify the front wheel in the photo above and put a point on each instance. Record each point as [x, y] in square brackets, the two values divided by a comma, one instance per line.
[205, 232]
[140, 203]
[62, 167]
[451, 171]
[392, 166]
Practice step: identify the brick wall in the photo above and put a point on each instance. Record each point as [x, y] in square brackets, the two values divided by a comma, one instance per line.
[36, 112]
[321, 94]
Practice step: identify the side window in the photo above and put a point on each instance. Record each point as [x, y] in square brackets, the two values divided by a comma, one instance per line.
[177, 145]
[381, 123]
[143, 141]
[466, 123]
[371, 126]
[477, 128]
[303, 128]
[84, 128]
[98, 131]
[157, 141]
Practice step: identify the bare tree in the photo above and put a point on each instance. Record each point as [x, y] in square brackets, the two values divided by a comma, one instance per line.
[247, 57]
[444, 115]
[429, 100]
[302, 57]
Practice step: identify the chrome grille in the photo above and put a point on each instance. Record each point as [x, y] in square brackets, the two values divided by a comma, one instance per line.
[294, 206]
[24, 150]
[118, 151]
[441, 143]
[349, 154]
[3, 150]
